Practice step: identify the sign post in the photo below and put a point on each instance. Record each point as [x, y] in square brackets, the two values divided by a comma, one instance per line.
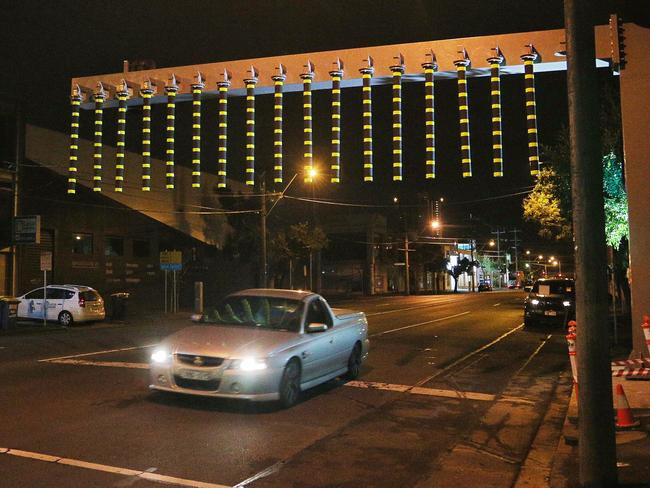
[46, 265]
[171, 261]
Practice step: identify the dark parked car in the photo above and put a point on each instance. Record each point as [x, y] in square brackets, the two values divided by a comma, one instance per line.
[485, 287]
[551, 301]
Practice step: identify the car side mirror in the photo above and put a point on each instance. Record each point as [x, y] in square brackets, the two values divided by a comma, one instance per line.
[316, 327]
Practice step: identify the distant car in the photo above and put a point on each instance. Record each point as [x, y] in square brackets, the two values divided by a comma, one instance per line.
[262, 344]
[66, 304]
[484, 287]
[550, 301]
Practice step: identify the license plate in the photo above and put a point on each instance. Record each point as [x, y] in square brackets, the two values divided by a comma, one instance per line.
[191, 374]
[552, 313]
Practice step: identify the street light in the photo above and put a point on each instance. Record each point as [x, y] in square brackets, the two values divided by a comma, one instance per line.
[435, 224]
[540, 257]
[528, 252]
[491, 243]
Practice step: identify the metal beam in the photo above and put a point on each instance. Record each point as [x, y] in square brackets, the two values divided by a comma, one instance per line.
[547, 43]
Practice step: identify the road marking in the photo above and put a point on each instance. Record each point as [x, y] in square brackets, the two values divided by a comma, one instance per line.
[530, 358]
[439, 302]
[262, 474]
[108, 351]
[469, 355]
[418, 324]
[77, 463]
[417, 390]
[110, 364]
[496, 304]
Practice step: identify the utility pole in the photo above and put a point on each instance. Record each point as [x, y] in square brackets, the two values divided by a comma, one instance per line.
[597, 453]
[263, 215]
[406, 263]
[514, 231]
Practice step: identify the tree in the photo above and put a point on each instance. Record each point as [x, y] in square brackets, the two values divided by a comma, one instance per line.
[465, 265]
[294, 243]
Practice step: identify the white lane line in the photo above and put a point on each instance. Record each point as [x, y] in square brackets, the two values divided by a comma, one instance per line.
[262, 474]
[441, 302]
[496, 304]
[77, 463]
[419, 324]
[530, 358]
[95, 353]
[469, 355]
[416, 390]
[109, 364]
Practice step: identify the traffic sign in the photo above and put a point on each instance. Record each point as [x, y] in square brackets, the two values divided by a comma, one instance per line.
[27, 229]
[46, 261]
[171, 260]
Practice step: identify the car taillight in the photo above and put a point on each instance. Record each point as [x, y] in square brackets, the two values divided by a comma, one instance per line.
[82, 302]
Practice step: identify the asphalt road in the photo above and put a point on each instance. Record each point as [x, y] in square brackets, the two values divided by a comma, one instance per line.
[450, 378]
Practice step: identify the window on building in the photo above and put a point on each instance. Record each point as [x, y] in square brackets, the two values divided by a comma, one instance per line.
[82, 244]
[141, 248]
[114, 246]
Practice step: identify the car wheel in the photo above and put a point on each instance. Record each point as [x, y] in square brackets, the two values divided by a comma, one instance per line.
[65, 318]
[528, 322]
[354, 363]
[290, 384]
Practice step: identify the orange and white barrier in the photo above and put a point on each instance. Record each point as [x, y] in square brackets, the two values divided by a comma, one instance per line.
[571, 343]
[646, 331]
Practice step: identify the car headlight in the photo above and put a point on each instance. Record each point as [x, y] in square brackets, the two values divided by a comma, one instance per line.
[566, 303]
[534, 301]
[248, 364]
[160, 356]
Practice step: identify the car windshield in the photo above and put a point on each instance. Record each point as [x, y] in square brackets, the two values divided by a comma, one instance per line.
[257, 311]
[554, 288]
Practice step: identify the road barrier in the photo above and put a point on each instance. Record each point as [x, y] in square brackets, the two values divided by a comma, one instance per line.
[571, 343]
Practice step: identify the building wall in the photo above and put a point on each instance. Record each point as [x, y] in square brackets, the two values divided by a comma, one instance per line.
[635, 110]
[135, 269]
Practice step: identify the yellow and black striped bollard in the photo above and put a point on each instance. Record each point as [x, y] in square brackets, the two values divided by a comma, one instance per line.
[222, 147]
[335, 162]
[429, 118]
[99, 98]
[366, 75]
[398, 71]
[250, 83]
[495, 104]
[75, 102]
[278, 109]
[170, 89]
[122, 96]
[531, 109]
[197, 90]
[307, 139]
[146, 92]
[463, 114]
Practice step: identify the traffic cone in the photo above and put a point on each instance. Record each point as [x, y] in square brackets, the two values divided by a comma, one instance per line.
[624, 417]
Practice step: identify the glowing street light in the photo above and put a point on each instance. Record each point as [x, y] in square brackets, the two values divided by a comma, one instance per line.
[540, 257]
[312, 172]
[528, 252]
[435, 224]
[491, 243]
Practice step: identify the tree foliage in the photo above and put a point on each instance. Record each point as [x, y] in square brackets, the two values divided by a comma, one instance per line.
[465, 265]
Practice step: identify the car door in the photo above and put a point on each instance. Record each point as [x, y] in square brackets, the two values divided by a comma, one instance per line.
[54, 302]
[318, 353]
[32, 308]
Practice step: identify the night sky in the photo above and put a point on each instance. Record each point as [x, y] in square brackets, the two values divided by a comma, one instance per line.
[46, 43]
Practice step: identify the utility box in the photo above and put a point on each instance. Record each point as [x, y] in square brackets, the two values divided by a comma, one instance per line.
[8, 312]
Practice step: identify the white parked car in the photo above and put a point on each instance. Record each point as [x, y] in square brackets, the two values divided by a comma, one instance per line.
[65, 304]
[262, 344]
